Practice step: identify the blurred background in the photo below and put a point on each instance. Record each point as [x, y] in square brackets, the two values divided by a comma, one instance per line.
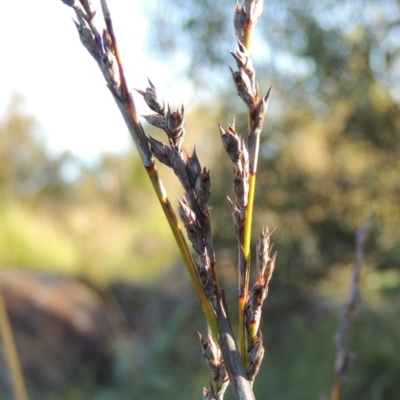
[99, 299]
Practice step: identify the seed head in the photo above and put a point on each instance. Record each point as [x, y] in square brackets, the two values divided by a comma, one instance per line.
[152, 99]
[244, 87]
[202, 190]
[160, 151]
[174, 127]
[243, 59]
[253, 9]
[156, 120]
[255, 356]
[232, 142]
[193, 168]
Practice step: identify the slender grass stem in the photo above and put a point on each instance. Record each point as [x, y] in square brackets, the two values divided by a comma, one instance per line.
[11, 354]
[244, 295]
[124, 84]
[248, 221]
[337, 388]
[156, 181]
[182, 244]
[344, 356]
[236, 371]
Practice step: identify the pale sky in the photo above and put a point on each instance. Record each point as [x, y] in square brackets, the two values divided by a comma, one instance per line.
[43, 59]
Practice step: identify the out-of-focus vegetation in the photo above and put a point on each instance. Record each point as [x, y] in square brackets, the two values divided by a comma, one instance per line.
[329, 156]
[55, 212]
[331, 150]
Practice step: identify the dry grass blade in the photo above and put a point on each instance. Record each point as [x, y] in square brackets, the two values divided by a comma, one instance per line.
[344, 355]
[11, 354]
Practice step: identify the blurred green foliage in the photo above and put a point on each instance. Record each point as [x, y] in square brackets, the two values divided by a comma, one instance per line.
[58, 213]
[329, 152]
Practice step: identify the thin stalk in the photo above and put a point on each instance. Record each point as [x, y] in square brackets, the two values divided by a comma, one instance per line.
[182, 244]
[247, 224]
[244, 295]
[337, 388]
[157, 184]
[234, 366]
[344, 356]
[11, 353]
[130, 101]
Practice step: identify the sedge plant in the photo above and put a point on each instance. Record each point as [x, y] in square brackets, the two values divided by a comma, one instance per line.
[228, 362]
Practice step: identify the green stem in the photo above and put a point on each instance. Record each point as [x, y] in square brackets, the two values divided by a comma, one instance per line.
[156, 182]
[244, 295]
[181, 242]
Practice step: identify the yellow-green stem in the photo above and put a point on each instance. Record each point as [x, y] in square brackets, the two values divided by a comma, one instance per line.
[336, 389]
[181, 242]
[243, 297]
[157, 184]
[249, 219]
[11, 354]
[176, 230]
[166, 206]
